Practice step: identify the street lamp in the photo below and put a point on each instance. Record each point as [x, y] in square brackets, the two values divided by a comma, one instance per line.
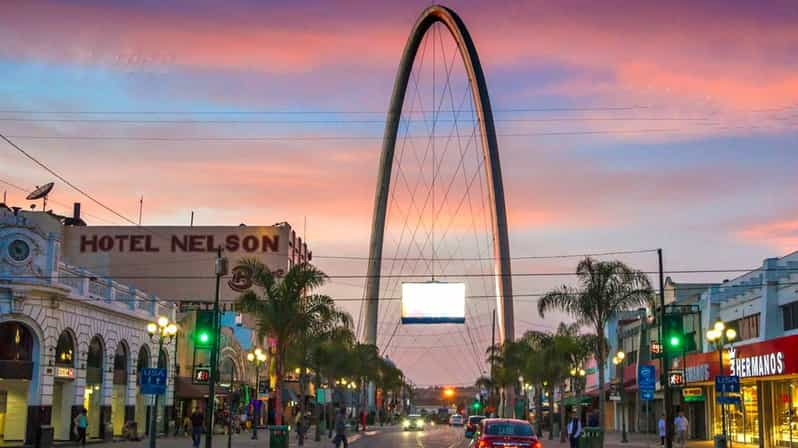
[618, 361]
[256, 357]
[165, 331]
[718, 337]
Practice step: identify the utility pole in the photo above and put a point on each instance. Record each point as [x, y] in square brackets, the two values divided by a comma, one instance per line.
[665, 360]
[221, 269]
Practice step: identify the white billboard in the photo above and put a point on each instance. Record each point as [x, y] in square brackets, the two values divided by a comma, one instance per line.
[433, 303]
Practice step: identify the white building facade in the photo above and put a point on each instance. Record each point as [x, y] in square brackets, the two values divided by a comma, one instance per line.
[70, 339]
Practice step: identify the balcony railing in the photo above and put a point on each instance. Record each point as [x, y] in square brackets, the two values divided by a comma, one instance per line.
[93, 286]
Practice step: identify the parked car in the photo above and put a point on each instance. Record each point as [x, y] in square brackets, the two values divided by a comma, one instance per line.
[472, 424]
[503, 432]
[456, 420]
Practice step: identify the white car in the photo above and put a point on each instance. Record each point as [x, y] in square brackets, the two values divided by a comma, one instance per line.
[456, 420]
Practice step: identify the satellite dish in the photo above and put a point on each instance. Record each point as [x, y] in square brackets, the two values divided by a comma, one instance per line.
[41, 192]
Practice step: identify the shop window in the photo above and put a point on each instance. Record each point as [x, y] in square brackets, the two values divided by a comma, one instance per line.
[790, 314]
[747, 327]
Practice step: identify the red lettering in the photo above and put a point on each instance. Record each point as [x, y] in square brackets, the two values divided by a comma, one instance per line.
[231, 243]
[271, 243]
[250, 243]
[121, 239]
[86, 243]
[137, 243]
[148, 247]
[195, 243]
[176, 243]
[106, 243]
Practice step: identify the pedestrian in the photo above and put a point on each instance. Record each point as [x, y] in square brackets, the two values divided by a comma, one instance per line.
[197, 426]
[574, 430]
[680, 424]
[186, 426]
[340, 429]
[82, 423]
[661, 429]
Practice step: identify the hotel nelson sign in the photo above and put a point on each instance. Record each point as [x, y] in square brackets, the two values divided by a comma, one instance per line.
[174, 262]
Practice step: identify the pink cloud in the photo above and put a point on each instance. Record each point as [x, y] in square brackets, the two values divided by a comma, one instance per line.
[780, 234]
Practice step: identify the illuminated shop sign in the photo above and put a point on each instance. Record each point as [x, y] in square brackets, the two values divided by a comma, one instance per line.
[696, 374]
[65, 372]
[756, 365]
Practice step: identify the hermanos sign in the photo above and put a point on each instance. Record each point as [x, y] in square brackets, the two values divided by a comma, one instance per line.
[757, 365]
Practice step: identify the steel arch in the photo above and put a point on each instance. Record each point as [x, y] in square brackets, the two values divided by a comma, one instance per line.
[479, 92]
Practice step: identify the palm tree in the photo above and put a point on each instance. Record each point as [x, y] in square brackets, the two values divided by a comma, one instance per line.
[306, 349]
[285, 309]
[606, 289]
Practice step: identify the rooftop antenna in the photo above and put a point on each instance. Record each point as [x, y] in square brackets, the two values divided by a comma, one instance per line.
[141, 206]
[41, 193]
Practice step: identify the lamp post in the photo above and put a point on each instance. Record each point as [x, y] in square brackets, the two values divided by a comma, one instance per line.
[618, 361]
[718, 337]
[577, 376]
[256, 357]
[164, 331]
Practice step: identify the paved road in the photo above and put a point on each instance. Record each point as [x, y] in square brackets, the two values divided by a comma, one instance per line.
[437, 437]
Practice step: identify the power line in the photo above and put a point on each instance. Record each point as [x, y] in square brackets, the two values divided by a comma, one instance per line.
[362, 137]
[64, 180]
[424, 275]
[525, 257]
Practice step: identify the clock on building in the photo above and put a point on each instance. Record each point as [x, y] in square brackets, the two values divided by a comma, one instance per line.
[19, 250]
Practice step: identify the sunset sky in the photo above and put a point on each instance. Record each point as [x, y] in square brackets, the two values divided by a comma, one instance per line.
[650, 124]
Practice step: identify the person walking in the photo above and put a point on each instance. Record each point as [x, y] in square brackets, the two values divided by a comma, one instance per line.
[82, 424]
[340, 429]
[197, 425]
[574, 430]
[680, 424]
[662, 430]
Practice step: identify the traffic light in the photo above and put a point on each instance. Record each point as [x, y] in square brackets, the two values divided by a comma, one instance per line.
[203, 330]
[476, 405]
[673, 332]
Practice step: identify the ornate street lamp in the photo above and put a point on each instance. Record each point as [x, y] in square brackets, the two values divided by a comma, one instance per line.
[256, 357]
[718, 337]
[164, 331]
[618, 361]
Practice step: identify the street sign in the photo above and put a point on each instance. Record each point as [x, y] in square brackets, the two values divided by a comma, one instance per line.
[646, 395]
[729, 399]
[676, 377]
[646, 379]
[727, 384]
[153, 381]
[615, 392]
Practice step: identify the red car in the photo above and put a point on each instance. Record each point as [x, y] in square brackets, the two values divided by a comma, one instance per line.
[505, 433]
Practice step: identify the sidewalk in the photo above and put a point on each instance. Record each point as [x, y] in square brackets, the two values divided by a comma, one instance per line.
[635, 440]
[242, 440]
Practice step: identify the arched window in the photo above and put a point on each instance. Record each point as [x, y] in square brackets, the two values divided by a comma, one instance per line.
[65, 350]
[94, 361]
[120, 364]
[143, 361]
[16, 342]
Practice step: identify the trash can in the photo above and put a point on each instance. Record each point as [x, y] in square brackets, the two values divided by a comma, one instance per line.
[591, 438]
[44, 437]
[278, 436]
[720, 441]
